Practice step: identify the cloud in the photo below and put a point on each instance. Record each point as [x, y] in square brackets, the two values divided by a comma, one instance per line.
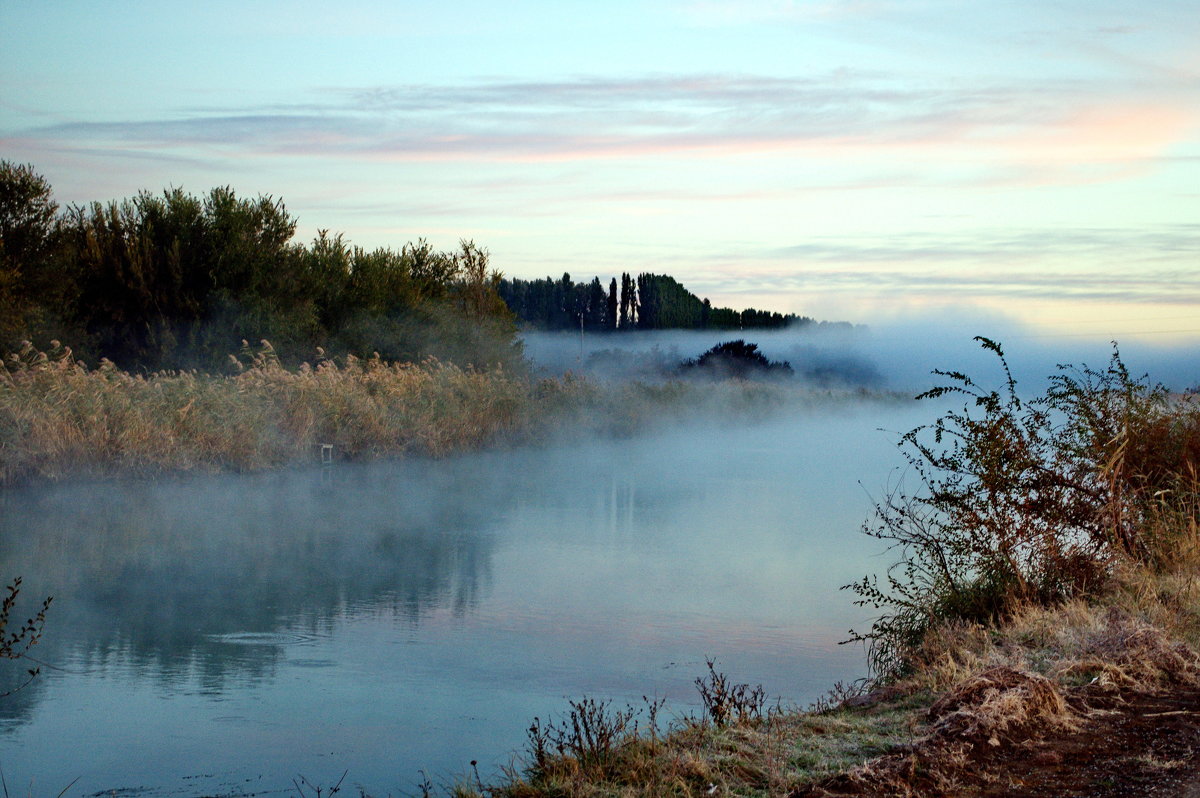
[1166, 241]
[723, 13]
[856, 115]
[1167, 286]
[1149, 265]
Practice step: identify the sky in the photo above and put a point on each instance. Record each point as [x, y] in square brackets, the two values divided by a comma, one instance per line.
[1035, 162]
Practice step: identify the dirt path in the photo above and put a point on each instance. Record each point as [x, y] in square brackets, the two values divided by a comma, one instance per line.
[1135, 746]
[1148, 745]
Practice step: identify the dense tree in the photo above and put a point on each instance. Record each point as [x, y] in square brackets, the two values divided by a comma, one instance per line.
[610, 319]
[647, 302]
[171, 277]
[174, 280]
[27, 213]
[628, 318]
[27, 235]
[665, 304]
[549, 304]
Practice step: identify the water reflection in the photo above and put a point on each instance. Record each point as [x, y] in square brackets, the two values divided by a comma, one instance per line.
[206, 578]
[392, 617]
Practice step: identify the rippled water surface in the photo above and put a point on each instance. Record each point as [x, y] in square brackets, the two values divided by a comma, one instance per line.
[228, 634]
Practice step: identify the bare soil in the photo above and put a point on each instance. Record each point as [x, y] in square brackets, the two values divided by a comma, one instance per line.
[1141, 745]
[1138, 745]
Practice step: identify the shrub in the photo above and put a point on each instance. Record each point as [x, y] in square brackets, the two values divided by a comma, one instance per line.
[16, 644]
[726, 703]
[590, 735]
[1019, 501]
[737, 359]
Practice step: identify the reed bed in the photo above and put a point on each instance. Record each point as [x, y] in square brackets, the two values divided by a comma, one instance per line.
[60, 418]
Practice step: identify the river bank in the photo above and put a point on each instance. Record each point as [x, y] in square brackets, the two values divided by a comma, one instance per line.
[1086, 699]
[1038, 635]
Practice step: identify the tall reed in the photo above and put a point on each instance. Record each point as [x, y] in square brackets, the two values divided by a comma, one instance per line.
[58, 417]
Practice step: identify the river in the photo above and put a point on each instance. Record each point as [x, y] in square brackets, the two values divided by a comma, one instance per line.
[226, 634]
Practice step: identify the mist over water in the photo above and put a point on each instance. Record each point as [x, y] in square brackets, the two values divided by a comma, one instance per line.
[896, 355]
[224, 634]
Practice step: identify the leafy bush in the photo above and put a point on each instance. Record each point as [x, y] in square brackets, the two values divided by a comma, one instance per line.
[1022, 501]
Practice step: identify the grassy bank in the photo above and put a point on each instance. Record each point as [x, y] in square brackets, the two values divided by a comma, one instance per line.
[1037, 636]
[983, 700]
[60, 418]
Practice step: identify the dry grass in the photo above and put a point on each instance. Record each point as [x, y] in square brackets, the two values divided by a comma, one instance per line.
[60, 418]
[999, 703]
[771, 756]
[1009, 684]
[1140, 631]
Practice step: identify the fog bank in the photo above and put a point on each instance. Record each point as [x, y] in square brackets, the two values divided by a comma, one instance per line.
[898, 355]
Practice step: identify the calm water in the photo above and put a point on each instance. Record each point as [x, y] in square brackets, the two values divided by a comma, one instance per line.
[227, 634]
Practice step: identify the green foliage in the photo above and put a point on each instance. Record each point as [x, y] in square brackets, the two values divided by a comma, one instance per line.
[1018, 501]
[647, 302]
[664, 304]
[174, 281]
[28, 233]
[169, 279]
[27, 212]
[550, 304]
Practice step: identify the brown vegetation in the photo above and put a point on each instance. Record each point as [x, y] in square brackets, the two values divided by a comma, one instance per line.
[60, 418]
[57, 417]
[1086, 698]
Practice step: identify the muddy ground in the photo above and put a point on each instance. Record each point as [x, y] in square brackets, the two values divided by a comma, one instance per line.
[1141, 745]
[1136, 745]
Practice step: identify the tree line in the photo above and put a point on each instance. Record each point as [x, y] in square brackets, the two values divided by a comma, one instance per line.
[174, 280]
[646, 302]
[177, 281]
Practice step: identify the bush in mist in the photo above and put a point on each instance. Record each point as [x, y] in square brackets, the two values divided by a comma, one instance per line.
[736, 359]
[1027, 501]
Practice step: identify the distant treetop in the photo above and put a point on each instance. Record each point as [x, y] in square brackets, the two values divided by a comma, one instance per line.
[645, 302]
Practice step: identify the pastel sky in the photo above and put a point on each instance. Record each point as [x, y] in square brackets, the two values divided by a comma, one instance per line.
[845, 159]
